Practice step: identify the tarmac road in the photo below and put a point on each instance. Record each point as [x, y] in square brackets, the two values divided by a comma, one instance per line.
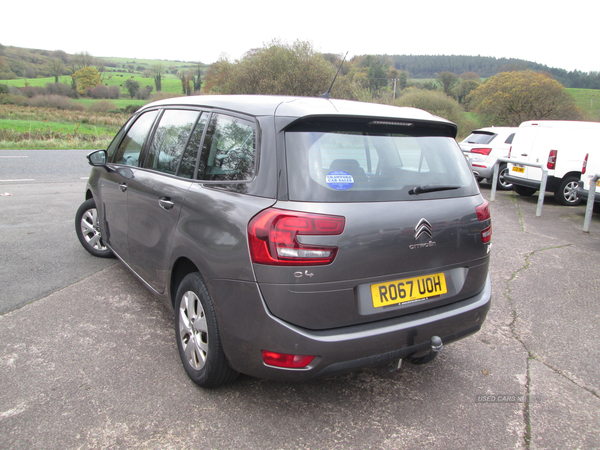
[88, 357]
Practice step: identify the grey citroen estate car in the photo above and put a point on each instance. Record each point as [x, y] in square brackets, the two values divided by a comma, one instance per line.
[294, 237]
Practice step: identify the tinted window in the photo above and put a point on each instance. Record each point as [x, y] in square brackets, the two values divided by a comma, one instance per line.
[351, 166]
[228, 152]
[188, 162]
[480, 138]
[131, 146]
[170, 139]
[509, 139]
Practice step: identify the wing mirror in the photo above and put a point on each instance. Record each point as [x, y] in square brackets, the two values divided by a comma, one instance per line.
[97, 158]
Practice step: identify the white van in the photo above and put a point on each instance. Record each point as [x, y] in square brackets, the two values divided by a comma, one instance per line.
[561, 146]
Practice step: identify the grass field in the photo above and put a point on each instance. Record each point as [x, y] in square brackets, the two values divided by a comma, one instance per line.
[25, 127]
[170, 83]
[588, 100]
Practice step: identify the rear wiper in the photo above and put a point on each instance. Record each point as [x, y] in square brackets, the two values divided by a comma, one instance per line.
[431, 188]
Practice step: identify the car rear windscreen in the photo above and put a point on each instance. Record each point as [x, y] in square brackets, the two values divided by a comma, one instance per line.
[480, 138]
[355, 166]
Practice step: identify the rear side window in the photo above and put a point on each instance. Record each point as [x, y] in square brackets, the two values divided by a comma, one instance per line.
[509, 139]
[229, 149]
[349, 166]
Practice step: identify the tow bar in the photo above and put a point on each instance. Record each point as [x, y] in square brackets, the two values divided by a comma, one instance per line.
[436, 346]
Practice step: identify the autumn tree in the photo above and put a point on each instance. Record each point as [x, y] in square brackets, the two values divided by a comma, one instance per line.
[277, 68]
[510, 98]
[470, 76]
[440, 104]
[217, 75]
[85, 78]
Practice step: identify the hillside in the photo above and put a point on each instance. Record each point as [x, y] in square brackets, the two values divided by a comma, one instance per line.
[16, 62]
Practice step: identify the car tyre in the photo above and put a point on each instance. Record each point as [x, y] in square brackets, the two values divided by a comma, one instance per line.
[502, 184]
[197, 335]
[87, 229]
[566, 194]
[524, 190]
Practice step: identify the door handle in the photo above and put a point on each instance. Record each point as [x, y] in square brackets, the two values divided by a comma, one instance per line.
[523, 154]
[123, 187]
[165, 203]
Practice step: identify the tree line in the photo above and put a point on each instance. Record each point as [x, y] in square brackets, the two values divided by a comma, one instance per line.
[30, 63]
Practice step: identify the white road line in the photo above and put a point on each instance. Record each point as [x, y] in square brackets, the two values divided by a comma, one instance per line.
[14, 156]
[24, 179]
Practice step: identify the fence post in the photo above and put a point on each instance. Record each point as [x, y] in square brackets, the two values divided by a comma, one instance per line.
[589, 207]
[495, 180]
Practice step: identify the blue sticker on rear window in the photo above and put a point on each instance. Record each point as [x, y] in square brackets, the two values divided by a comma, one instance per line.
[339, 180]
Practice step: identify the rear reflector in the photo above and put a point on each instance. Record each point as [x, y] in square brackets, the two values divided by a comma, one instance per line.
[273, 237]
[285, 360]
[483, 214]
[486, 235]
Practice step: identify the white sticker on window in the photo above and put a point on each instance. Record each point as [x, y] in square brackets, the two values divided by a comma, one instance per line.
[339, 180]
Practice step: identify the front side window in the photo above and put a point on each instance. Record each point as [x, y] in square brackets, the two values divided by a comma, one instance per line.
[170, 139]
[229, 149]
[131, 146]
[354, 166]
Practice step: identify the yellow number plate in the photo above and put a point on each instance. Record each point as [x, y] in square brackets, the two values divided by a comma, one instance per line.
[518, 169]
[408, 289]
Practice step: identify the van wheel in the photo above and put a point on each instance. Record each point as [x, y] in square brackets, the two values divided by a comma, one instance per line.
[566, 194]
[502, 184]
[524, 190]
[197, 335]
[87, 229]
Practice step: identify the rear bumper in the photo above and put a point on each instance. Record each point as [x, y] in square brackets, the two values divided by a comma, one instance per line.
[584, 193]
[485, 168]
[552, 183]
[247, 327]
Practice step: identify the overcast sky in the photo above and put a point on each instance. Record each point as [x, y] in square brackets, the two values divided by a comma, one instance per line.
[563, 35]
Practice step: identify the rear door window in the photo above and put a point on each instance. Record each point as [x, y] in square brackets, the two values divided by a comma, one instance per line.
[170, 139]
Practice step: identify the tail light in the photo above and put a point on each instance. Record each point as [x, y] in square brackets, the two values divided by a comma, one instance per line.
[285, 360]
[483, 214]
[552, 159]
[509, 151]
[482, 151]
[584, 167]
[273, 237]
